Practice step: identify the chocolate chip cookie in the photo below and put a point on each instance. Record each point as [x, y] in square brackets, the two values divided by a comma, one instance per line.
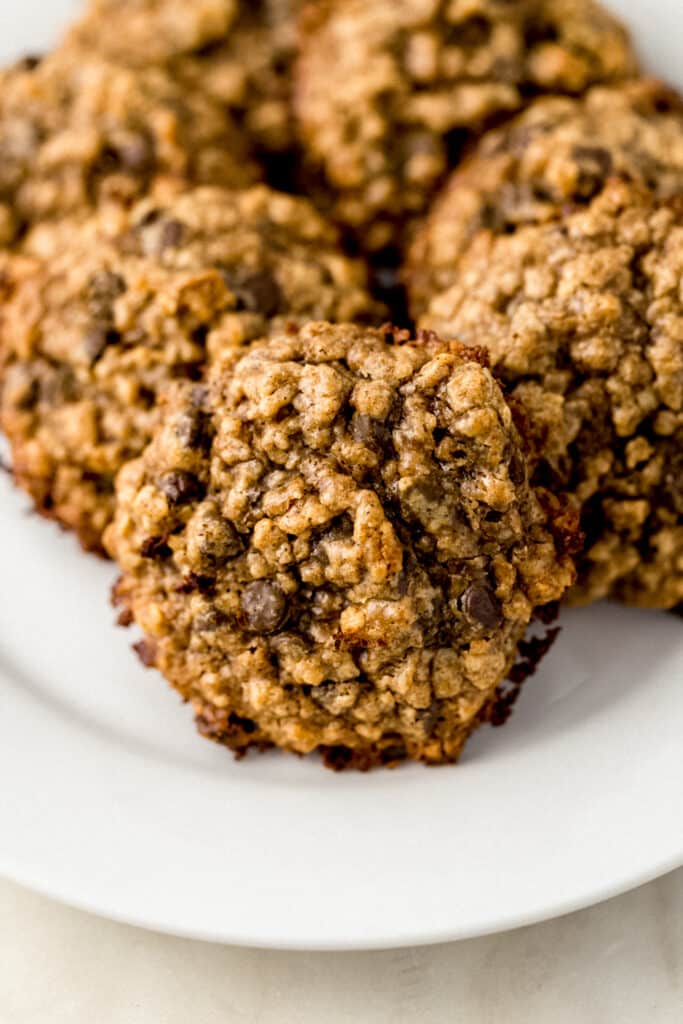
[250, 72]
[100, 315]
[388, 91]
[76, 130]
[559, 153]
[143, 32]
[237, 53]
[583, 318]
[334, 545]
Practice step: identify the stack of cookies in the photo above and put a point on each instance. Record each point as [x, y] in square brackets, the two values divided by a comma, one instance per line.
[353, 331]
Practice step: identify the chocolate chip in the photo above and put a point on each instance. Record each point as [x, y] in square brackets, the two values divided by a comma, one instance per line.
[595, 166]
[106, 162]
[402, 583]
[196, 583]
[537, 32]
[187, 371]
[481, 605]
[337, 758]
[28, 392]
[29, 63]
[473, 32]
[155, 547]
[148, 218]
[517, 470]
[102, 482]
[147, 398]
[103, 290]
[256, 292]
[599, 157]
[367, 430]
[264, 606]
[180, 487]
[96, 340]
[243, 724]
[191, 429]
[171, 234]
[429, 717]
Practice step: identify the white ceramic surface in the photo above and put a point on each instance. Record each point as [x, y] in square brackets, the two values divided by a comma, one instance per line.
[109, 800]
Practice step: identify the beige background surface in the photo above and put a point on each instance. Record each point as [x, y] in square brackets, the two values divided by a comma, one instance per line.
[618, 963]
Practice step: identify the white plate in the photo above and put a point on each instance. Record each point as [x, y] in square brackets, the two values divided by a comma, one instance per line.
[111, 802]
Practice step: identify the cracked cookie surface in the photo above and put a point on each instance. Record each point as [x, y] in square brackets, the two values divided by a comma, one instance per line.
[558, 154]
[76, 130]
[100, 315]
[583, 318]
[388, 91]
[334, 545]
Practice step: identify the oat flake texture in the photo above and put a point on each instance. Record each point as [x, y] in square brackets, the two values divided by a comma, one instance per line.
[238, 53]
[100, 315]
[387, 92]
[77, 130]
[583, 318]
[334, 545]
[556, 156]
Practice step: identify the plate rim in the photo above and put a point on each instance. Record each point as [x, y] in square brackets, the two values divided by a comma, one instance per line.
[54, 729]
[408, 940]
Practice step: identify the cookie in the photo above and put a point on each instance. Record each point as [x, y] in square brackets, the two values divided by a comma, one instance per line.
[237, 53]
[583, 318]
[76, 130]
[387, 92]
[250, 72]
[101, 315]
[143, 32]
[559, 153]
[335, 546]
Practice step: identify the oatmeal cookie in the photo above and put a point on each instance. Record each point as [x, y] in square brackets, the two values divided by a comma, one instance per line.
[100, 315]
[76, 129]
[583, 318]
[388, 91]
[250, 72]
[237, 53]
[559, 153]
[144, 32]
[334, 545]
